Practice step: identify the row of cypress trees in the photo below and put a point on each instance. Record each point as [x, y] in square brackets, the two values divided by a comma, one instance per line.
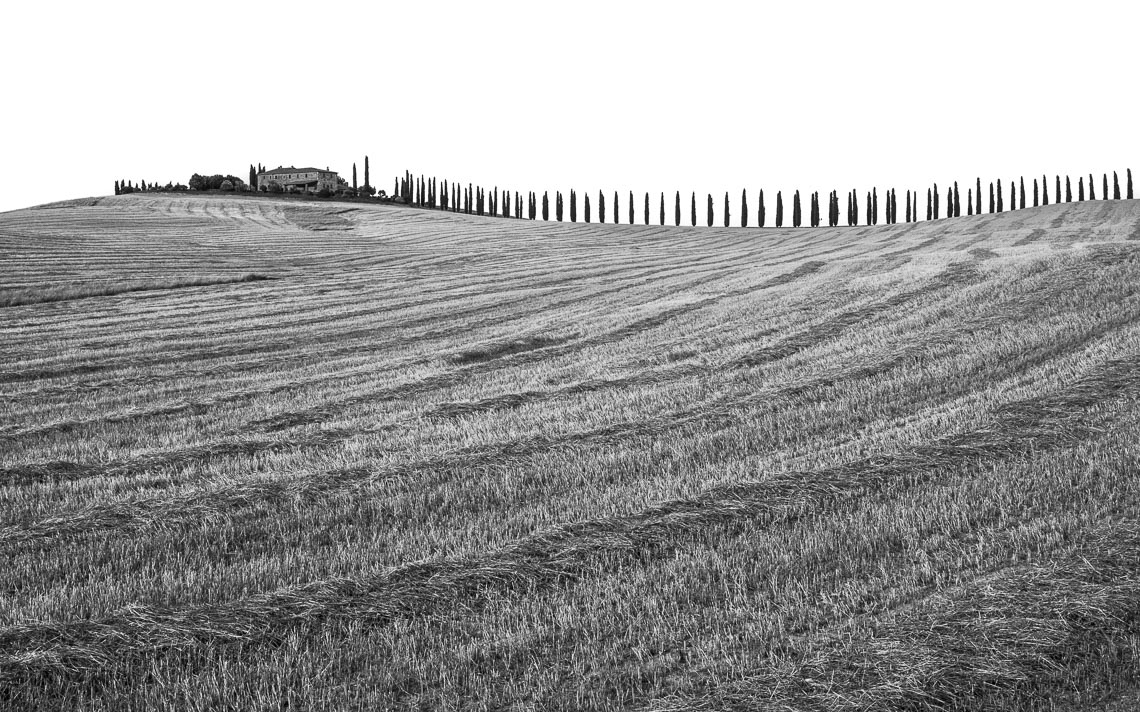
[475, 200]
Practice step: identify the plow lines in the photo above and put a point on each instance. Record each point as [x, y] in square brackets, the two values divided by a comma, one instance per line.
[441, 461]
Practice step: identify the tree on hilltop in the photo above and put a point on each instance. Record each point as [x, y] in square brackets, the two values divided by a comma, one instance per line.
[958, 201]
[1129, 195]
[587, 198]
[1115, 186]
[601, 207]
[936, 206]
[908, 216]
[617, 209]
[677, 211]
[1081, 188]
[999, 197]
[1104, 192]
[661, 213]
[354, 178]
[646, 212]
[797, 212]
[367, 180]
[1068, 190]
[744, 208]
[118, 191]
[726, 208]
[760, 209]
[631, 207]
[1036, 199]
[1023, 192]
[779, 209]
[573, 206]
[694, 209]
[929, 205]
[545, 205]
[969, 201]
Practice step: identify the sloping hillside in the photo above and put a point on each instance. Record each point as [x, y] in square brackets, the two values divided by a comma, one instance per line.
[257, 452]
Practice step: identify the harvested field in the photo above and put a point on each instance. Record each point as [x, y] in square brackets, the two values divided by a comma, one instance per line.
[266, 454]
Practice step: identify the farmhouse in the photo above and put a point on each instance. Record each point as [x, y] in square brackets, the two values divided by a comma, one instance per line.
[308, 180]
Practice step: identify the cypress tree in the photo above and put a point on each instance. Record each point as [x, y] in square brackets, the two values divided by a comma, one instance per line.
[874, 206]
[1104, 192]
[929, 205]
[367, 180]
[545, 206]
[694, 215]
[601, 207]
[631, 208]
[617, 209]
[908, 206]
[506, 210]
[662, 212]
[1068, 190]
[1036, 200]
[647, 208]
[558, 206]
[726, 208]
[353, 177]
[744, 208]
[1092, 187]
[1081, 189]
[252, 177]
[1013, 195]
[779, 209]
[813, 211]
[796, 210]
[850, 213]
[760, 210]
[1129, 194]
[969, 201]
[991, 196]
[958, 201]
[1023, 192]
[587, 208]
[999, 198]
[710, 210]
[854, 207]
[1115, 186]
[117, 190]
[1045, 191]
[396, 189]
[573, 206]
[936, 211]
[677, 211]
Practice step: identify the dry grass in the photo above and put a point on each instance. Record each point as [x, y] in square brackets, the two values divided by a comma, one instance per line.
[446, 462]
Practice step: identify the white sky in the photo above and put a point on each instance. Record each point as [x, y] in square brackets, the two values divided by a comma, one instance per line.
[653, 96]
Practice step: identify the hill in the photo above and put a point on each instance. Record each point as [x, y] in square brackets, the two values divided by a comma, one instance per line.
[270, 454]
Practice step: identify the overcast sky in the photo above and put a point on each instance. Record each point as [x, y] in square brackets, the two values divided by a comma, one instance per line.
[697, 96]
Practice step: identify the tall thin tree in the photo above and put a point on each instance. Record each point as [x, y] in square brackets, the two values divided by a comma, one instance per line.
[760, 209]
[647, 208]
[1023, 192]
[1081, 188]
[1068, 190]
[779, 209]
[744, 208]
[1115, 186]
[601, 207]
[587, 197]
[694, 210]
[677, 211]
[662, 215]
[796, 210]
[710, 210]
[726, 208]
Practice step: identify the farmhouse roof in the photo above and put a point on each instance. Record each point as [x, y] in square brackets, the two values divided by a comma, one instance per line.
[291, 169]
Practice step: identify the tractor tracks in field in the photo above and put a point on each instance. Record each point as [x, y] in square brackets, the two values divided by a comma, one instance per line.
[565, 553]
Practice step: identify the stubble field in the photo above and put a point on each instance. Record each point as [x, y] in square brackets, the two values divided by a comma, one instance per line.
[261, 454]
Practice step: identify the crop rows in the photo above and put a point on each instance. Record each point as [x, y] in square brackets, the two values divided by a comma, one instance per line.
[434, 460]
